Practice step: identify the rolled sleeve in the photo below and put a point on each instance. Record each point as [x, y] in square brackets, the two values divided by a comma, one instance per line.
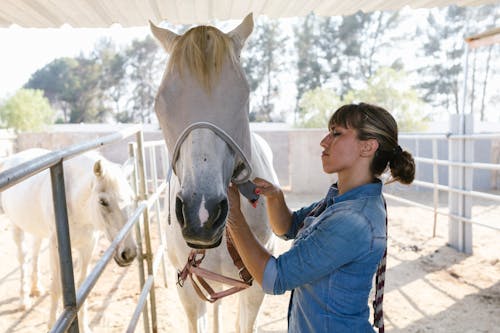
[270, 273]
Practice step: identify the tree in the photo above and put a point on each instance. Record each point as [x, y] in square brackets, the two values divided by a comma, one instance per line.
[112, 80]
[316, 107]
[444, 50]
[310, 72]
[389, 89]
[27, 110]
[55, 79]
[72, 84]
[143, 69]
[484, 15]
[364, 39]
[262, 61]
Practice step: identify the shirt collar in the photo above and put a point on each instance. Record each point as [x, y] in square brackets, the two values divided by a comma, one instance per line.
[367, 190]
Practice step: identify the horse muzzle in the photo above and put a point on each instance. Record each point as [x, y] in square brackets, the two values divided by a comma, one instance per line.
[125, 257]
[202, 227]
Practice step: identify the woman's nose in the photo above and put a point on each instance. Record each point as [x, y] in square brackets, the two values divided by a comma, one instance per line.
[325, 141]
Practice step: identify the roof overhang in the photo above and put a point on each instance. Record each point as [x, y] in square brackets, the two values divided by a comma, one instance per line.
[129, 13]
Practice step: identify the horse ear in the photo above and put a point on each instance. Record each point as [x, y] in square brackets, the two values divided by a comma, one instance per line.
[164, 36]
[242, 31]
[98, 169]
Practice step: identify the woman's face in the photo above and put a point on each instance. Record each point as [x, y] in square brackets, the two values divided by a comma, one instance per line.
[341, 150]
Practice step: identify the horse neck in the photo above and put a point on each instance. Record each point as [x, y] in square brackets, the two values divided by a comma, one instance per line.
[262, 167]
[262, 159]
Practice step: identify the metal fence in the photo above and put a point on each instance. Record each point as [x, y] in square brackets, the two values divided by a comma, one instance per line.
[459, 185]
[145, 200]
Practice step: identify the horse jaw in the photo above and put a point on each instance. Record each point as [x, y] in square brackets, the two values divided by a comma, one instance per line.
[201, 204]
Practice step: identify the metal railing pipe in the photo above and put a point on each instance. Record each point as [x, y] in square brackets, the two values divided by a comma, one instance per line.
[15, 175]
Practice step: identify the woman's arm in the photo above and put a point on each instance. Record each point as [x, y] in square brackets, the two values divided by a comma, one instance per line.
[280, 216]
[253, 254]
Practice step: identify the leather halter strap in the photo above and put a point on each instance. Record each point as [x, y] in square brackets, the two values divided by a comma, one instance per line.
[199, 275]
[224, 136]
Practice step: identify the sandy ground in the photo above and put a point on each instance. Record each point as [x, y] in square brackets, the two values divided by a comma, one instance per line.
[430, 287]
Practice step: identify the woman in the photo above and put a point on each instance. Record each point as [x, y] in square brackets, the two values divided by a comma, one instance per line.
[340, 241]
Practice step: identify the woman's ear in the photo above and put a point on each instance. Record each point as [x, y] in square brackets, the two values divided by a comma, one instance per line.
[369, 147]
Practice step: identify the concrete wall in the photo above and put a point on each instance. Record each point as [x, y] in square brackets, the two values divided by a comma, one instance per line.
[297, 153]
[7, 143]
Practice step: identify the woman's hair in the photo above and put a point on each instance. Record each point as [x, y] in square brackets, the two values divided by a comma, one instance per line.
[374, 122]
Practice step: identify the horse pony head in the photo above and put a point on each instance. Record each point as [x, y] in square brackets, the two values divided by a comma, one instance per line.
[204, 83]
[112, 198]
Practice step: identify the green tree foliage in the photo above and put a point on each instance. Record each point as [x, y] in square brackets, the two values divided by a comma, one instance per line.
[262, 61]
[341, 52]
[363, 43]
[27, 110]
[56, 80]
[316, 106]
[143, 68]
[310, 70]
[112, 79]
[78, 92]
[483, 60]
[389, 89]
[444, 50]
[95, 88]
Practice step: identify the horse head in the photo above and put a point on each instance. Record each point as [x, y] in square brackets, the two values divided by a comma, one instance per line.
[112, 199]
[204, 83]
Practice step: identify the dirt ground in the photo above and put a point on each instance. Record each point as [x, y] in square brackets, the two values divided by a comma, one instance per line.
[430, 287]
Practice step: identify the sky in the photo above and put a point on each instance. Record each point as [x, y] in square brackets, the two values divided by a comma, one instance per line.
[23, 50]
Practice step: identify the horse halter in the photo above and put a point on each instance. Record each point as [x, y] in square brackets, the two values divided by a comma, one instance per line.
[198, 275]
[242, 172]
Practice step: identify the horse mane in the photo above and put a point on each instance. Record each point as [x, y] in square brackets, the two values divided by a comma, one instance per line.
[202, 50]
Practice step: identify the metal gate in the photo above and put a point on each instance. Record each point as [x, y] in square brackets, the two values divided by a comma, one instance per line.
[148, 261]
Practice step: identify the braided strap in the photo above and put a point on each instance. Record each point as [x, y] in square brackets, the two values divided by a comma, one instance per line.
[378, 313]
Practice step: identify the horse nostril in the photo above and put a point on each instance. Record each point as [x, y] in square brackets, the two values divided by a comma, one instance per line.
[128, 255]
[220, 213]
[179, 204]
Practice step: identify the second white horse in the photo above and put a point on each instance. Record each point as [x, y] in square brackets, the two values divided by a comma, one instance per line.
[98, 198]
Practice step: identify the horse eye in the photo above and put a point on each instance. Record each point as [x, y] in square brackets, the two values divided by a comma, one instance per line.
[103, 202]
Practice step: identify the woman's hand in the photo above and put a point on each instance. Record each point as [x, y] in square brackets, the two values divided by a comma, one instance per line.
[266, 188]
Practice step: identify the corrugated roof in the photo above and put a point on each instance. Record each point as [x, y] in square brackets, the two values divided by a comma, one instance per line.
[129, 13]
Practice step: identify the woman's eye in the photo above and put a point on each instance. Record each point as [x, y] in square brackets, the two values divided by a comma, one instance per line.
[103, 202]
[336, 133]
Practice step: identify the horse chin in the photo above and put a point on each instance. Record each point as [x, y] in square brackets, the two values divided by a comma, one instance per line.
[204, 246]
[122, 263]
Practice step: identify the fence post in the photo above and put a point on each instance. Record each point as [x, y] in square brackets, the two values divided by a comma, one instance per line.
[147, 235]
[435, 180]
[63, 242]
[140, 247]
[459, 232]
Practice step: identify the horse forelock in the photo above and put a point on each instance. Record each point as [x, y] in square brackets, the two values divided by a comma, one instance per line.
[202, 51]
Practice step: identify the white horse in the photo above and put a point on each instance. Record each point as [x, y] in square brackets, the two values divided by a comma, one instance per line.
[98, 198]
[204, 82]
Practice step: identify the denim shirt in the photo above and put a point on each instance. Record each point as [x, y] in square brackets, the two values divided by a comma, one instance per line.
[332, 261]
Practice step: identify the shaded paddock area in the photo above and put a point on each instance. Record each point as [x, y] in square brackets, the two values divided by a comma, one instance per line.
[429, 286]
